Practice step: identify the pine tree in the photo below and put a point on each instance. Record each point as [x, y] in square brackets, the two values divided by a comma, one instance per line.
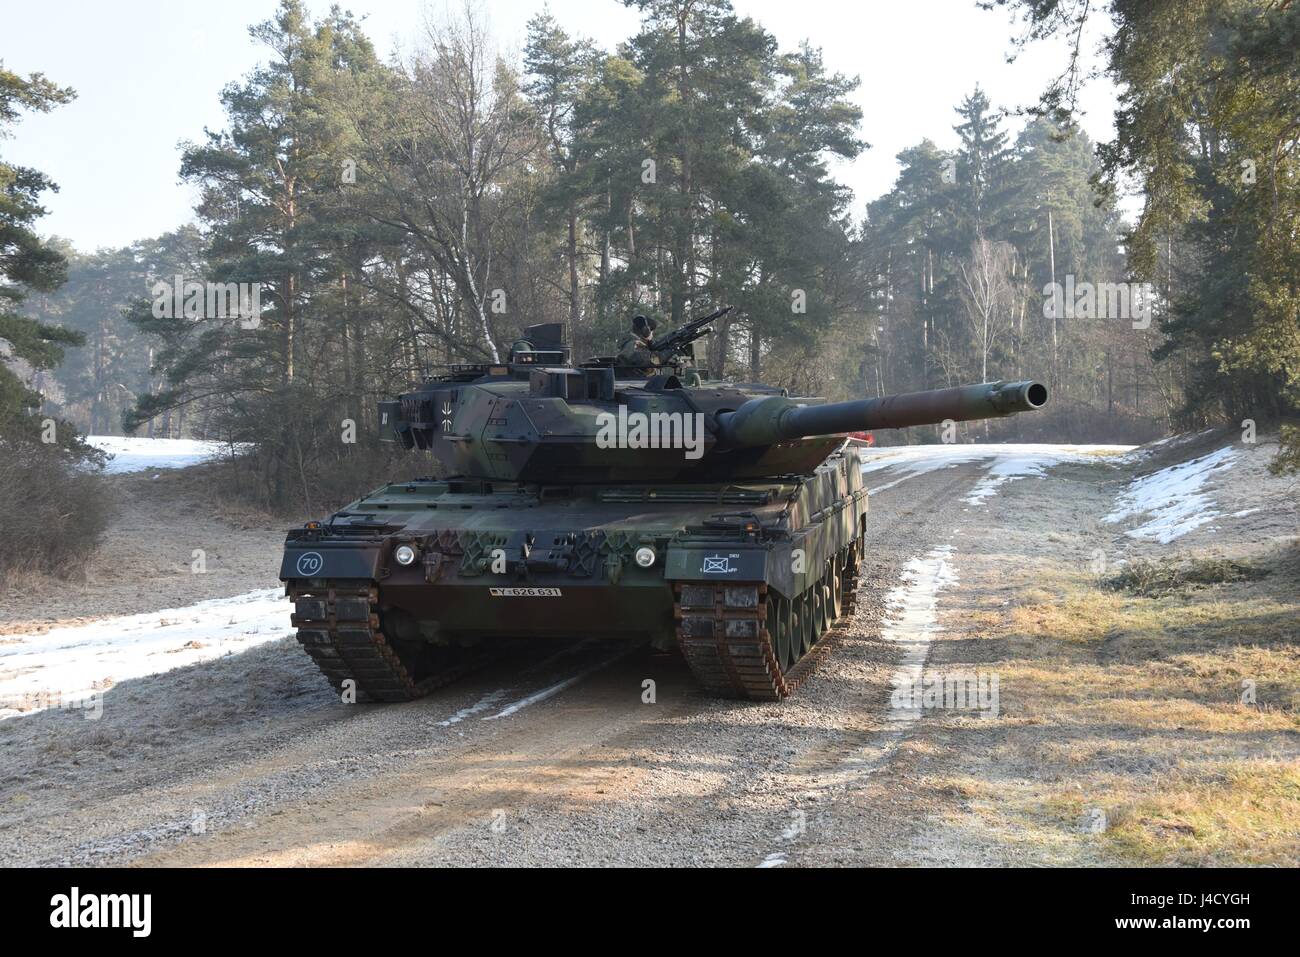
[559, 72]
[1206, 123]
[981, 170]
[28, 264]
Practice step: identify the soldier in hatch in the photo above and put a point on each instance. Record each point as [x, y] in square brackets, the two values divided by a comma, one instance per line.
[636, 349]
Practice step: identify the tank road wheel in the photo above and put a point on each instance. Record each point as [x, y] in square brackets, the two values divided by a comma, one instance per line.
[744, 640]
[339, 626]
[823, 595]
[780, 628]
[807, 603]
[837, 590]
[852, 569]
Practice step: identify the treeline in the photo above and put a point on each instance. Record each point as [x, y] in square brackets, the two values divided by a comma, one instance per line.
[1207, 126]
[97, 385]
[395, 215]
[960, 260]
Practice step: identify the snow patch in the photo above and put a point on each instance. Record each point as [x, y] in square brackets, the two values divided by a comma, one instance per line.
[913, 619]
[1160, 445]
[1173, 500]
[134, 454]
[1008, 469]
[1007, 462]
[66, 665]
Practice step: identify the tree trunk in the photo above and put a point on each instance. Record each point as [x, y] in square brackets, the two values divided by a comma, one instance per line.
[721, 346]
[1056, 300]
[572, 252]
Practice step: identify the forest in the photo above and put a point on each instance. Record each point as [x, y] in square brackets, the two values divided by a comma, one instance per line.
[401, 213]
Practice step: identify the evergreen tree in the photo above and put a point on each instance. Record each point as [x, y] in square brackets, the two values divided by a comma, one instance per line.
[981, 169]
[270, 187]
[1206, 123]
[559, 72]
[28, 264]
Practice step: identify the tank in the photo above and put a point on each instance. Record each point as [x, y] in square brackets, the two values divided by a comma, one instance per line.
[630, 497]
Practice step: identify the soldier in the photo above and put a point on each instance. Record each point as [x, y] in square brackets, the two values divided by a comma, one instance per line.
[635, 349]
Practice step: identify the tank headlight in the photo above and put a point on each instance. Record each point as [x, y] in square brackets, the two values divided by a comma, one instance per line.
[645, 556]
[404, 554]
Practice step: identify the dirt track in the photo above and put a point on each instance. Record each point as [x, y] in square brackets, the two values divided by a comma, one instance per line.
[250, 759]
[255, 754]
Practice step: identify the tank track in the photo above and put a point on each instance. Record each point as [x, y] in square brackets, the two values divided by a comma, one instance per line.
[722, 631]
[338, 626]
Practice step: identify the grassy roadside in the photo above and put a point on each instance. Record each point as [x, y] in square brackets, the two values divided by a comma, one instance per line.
[1149, 714]
[1183, 701]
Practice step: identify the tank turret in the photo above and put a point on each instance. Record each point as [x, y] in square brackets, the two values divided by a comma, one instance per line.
[630, 497]
[537, 418]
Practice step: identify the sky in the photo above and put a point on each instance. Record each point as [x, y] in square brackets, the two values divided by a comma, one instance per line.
[149, 73]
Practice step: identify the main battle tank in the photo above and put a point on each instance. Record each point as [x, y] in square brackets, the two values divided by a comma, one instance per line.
[645, 502]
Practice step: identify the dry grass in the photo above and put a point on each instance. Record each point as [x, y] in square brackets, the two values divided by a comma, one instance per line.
[1166, 708]
[53, 514]
[1152, 578]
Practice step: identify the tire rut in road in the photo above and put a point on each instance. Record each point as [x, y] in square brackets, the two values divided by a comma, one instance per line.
[547, 750]
[216, 773]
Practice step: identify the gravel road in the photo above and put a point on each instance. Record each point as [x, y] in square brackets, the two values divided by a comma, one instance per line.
[250, 760]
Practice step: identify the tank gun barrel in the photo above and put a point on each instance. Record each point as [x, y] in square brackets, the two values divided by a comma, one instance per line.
[774, 419]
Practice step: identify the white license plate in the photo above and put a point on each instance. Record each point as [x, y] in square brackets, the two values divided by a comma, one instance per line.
[524, 592]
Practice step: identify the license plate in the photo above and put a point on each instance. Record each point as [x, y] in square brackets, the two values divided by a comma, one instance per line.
[524, 592]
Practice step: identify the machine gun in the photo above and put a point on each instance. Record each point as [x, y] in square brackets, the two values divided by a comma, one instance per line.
[680, 339]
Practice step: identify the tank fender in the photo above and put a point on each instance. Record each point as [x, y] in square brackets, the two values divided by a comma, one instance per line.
[770, 562]
[717, 561]
[310, 559]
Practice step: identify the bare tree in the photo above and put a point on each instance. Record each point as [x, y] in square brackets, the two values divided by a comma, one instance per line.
[445, 155]
[988, 293]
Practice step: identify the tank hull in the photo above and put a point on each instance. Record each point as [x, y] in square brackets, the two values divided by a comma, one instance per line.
[504, 561]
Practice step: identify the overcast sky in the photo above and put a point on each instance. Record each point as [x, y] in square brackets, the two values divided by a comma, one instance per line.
[148, 74]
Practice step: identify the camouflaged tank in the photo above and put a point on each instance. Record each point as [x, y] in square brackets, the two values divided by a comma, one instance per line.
[645, 502]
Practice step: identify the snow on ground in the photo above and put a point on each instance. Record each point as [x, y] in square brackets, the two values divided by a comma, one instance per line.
[135, 454]
[1173, 500]
[71, 666]
[1006, 462]
[912, 622]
